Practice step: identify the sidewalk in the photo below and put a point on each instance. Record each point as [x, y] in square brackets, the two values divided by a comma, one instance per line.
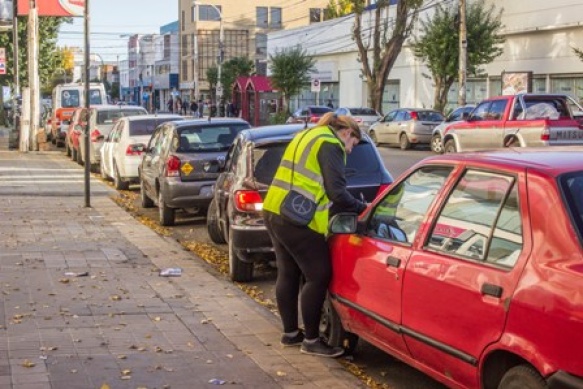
[122, 325]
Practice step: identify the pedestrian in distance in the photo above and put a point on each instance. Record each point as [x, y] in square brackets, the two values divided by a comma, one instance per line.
[185, 107]
[200, 108]
[330, 105]
[298, 235]
[170, 105]
[194, 108]
[178, 105]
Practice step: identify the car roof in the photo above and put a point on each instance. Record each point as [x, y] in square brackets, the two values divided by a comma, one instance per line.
[190, 122]
[152, 116]
[281, 131]
[552, 161]
[114, 107]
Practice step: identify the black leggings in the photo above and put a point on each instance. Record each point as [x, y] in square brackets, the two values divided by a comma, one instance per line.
[299, 251]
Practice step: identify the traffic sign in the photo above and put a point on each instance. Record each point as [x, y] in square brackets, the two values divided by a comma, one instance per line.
[219, 90]
[315, 85]
[2, 67]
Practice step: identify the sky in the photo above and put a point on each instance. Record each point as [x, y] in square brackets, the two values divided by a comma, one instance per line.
[111, 18]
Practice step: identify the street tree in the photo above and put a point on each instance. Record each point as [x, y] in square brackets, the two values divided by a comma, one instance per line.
[338, 8]
[578, 52]
[380, 43]
[233, 68]
[290, 72]
[438, 45]
[212, 77]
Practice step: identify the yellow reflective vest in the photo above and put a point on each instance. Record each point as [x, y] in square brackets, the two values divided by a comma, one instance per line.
[302, 155]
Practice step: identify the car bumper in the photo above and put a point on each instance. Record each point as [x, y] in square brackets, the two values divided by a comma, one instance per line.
[180, 194]
[564, 380]
[129, 168]
[252, 243]
[419, 138]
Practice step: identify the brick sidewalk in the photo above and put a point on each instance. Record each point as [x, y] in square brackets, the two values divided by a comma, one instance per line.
[122, 325]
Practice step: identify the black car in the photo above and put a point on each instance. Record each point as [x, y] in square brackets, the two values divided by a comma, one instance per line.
[308, 114]
[182, 162]
[235, 213]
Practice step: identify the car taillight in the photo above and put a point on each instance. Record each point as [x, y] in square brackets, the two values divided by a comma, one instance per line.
[95, 134]
[358, 120]
[314, 119]
[135, 149]
[248, 201]
[382, 188]
[173, 166]
[414, 116]
[546, 134]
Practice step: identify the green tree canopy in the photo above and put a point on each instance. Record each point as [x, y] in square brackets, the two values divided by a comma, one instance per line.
[578, 52]
[438, 45]
[338, 8]
[290, 71]
[233, 68]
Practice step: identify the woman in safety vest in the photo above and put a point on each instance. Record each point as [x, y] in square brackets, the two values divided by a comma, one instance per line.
[309, 177]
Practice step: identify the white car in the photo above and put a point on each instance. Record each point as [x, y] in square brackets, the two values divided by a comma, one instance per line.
[123, 148]
[454, 117]
[364, 117]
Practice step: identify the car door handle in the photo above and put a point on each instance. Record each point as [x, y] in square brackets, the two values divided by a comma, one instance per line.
[492, 290]
[393, 261]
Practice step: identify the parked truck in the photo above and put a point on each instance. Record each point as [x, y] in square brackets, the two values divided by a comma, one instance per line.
[523, 120]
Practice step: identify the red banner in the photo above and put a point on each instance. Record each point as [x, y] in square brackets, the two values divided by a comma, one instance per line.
[53, 7]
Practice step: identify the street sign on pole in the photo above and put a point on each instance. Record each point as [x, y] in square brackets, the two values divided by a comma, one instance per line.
[2, 60]
[315, 85]
[220, 91]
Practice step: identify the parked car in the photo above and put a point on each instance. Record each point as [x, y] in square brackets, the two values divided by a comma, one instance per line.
[74, 128]
[125, 145]
[365, 117]
[308, 114]
[102, 120]
[182, 162]
[457, 115]
[458, 270]
[406, 127]
[523, 120]
[235, 213]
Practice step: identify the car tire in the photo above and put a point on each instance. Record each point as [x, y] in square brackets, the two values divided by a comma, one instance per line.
[167, 214]
[331, 329]
[212, 224]
[522, 377]
[449, 147]
[436, 144]
[146, 201]
[54, 141]
[117, 180]
[404, 143]
[239, 271]
[373, 137]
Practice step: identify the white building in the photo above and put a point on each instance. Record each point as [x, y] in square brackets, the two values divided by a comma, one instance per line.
[539, 39]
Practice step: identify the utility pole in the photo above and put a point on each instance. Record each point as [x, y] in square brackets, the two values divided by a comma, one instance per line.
[16, 90]
[33, 77]
[463, 47]
[87, 109]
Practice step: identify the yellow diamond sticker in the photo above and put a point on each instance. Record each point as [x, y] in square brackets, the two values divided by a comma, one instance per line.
[187, 168]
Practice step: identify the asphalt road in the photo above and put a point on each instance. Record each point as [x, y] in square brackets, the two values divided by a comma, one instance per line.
[368, 361]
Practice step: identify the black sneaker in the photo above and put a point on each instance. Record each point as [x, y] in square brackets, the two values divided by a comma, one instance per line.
[321, 349]
[289, 341]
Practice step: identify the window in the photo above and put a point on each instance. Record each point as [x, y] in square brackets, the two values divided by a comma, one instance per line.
[261, 13]
[497, 109]
[70, 98]
[480, 220]
[184, 70]
[144, 127]
[315, 15]
[184, 45]
[209, 138]
[275, 20]
[111, 116]
[481, 111]
[398, 216]
[95, 97]
[261, 44]
[572, 186]
[183, 20]
[209, 13]
[402, 115]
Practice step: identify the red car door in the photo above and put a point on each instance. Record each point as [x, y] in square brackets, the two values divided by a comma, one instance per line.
[458, 288]
[369, 267]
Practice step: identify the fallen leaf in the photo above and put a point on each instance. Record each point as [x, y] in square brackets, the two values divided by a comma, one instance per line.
[115, 297]
[105, 386]
[281, 373]
[126, 372]
[28, 364]
[126, 377]
[64, 280]
[73, 371]
[122, 357]
[157, 318]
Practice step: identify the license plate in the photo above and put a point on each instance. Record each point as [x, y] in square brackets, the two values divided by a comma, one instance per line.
[206, 191]
[569, 134]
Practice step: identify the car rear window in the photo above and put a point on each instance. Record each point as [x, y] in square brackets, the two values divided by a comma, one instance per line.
[320, 110]
[145, 126]
[70, 98]
[572, 186]
[209, 138]
[266, 160]
[363, 112]
[111, 116]
[542, 107]
[430, 116]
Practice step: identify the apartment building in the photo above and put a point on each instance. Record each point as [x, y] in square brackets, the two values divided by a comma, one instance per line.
[245, 23]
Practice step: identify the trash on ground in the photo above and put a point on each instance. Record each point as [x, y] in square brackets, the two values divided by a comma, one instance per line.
[216, 381]
[171, 272]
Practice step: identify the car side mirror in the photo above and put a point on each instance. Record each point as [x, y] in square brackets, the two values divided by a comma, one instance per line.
[343, 223]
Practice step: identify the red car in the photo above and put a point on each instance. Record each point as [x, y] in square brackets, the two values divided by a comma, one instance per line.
[470, 268]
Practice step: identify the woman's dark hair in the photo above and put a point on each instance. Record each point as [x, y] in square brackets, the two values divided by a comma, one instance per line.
[340, 122]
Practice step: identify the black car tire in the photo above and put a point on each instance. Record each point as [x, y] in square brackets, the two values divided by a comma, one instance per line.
[436, 144]
[146, 201]
[167, 214]
[450, 147]
[119, 183]
[404, 143]
[239, 271]
[373, 137]
[522, 377]
[212, 224]
[331, 329]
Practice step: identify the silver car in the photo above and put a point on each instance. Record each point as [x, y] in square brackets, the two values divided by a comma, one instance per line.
[365, 117]
[406, 127]
[457, 115]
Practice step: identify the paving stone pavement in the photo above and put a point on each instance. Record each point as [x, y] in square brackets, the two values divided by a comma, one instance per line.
[122, 324]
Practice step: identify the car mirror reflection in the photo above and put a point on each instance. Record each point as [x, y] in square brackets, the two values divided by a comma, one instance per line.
[343, 223]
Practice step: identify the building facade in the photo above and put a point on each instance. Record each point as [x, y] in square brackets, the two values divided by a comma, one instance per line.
[539, 39]
[165, 83]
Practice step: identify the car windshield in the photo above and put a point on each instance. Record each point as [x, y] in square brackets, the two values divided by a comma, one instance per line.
[572, 185]
[363, 112]
[208, 138]
[111, 116]
[430, 116]
[70, 98]
[266, 159]
[145, 126]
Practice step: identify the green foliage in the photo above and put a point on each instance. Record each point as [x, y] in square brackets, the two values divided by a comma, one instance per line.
[278, 118]
[338, 8]
[578, 52]
[290, 70]
[233, 68]
[212, 76]
[48, 54]
[438, 45]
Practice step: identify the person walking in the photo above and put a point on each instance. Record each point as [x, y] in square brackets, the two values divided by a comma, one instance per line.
[194, 108]
[330, 105]
[170, 105]
[311, 173]
[178, 107]
[200, 108]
